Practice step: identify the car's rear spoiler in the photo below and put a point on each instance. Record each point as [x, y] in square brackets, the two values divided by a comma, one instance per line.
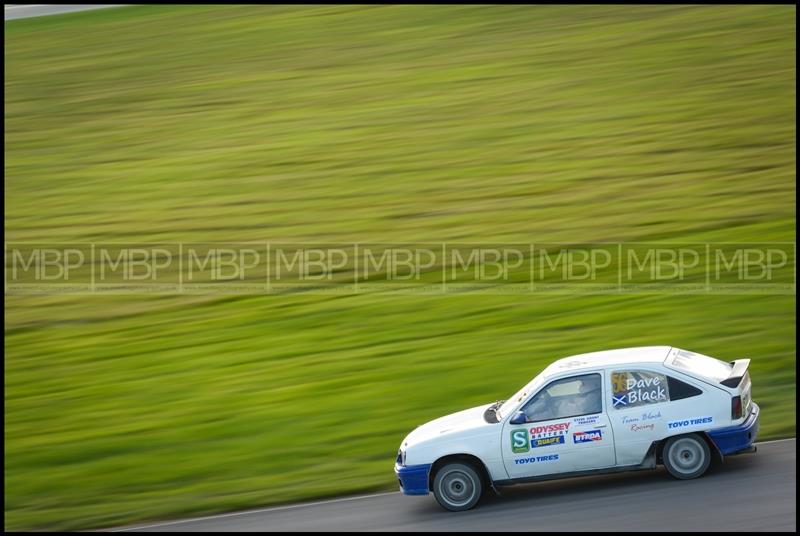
[737, 373]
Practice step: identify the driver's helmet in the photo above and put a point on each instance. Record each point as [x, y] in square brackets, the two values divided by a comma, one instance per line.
[588, 386]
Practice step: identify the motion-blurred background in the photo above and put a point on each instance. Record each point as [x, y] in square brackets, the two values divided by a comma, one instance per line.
[363, 123]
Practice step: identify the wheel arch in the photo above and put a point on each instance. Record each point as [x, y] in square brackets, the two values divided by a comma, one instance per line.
[716, 455]
[470, 459]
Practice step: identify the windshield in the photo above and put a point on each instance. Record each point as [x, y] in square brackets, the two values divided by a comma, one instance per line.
[519, 396]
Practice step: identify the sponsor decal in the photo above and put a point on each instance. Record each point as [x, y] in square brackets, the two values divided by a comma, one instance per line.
[549, 434]
[573, 363]
[550, 428]
[519, 441]
[643, 427]
[588, 419]
[683, 423]
[547, 441]
[651, 416]
[639, 388]
[587, 436]
[646, 416]
[536, 459]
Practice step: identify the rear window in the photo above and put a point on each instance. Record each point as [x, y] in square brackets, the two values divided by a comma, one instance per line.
[702, 365]
[679, 390]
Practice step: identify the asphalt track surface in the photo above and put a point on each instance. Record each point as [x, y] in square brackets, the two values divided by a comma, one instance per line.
[750, 492]
[24, 11]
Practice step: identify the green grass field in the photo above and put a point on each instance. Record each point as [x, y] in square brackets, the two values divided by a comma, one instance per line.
[383, 124]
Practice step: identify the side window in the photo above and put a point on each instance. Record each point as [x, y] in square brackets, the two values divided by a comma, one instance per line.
[679, 390]
[634, 388]
[567, 397]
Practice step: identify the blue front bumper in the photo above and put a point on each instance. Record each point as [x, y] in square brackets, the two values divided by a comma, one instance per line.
[413, 478]
[734, 439]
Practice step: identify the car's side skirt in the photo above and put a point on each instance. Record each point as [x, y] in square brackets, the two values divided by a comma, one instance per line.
[649, 462]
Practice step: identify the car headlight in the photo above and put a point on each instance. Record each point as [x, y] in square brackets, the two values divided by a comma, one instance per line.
[401, 457]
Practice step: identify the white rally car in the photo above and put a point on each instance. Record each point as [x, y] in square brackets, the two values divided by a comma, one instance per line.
[603, 412]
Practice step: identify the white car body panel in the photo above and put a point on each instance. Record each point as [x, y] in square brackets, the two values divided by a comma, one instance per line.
[464, 432]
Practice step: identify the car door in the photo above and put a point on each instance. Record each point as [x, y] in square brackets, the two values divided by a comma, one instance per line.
[566, 429]
[643, 401]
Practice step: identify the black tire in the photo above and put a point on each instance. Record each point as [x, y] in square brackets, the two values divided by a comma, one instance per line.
[457, 486]
[686, 456]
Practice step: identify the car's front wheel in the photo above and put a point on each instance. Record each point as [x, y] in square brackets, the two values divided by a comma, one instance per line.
[686, 456]
[457, 486]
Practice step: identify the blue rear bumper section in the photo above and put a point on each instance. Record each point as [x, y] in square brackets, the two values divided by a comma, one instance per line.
[413, 478]
[733, 439]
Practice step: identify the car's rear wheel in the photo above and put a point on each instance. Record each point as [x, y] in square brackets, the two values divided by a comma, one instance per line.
[457, 486]
[686, 456]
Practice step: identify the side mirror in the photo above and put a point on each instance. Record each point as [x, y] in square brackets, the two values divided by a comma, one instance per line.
[519, 418]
